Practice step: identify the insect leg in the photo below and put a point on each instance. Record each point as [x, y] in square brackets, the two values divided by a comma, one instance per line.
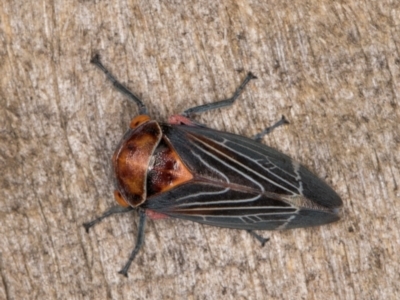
[139, 243]
[227, 102]
[113, 210]
[119, 86]
[268, 130]
[258, 237]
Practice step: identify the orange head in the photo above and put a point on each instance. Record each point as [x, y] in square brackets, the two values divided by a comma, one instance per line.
[132, 158]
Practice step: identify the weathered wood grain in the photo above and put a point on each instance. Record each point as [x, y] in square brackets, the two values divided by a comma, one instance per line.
[331, 67]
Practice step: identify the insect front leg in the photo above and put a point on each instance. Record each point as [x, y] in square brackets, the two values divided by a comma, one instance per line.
[268, 130]
[222, 103]
[113, 210]
[140, 235]
[119, 86]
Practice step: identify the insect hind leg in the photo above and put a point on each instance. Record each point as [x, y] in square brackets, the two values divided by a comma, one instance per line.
[268, 130]
[261, 239]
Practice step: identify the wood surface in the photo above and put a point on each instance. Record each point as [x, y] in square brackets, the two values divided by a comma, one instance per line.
[331, 67]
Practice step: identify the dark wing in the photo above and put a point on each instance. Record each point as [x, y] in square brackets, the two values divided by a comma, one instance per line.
[240, 183]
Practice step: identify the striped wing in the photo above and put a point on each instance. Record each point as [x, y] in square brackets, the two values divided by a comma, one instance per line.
[240, 183]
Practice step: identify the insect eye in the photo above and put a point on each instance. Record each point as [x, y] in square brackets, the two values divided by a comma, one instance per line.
[138, 121]
[120, 199]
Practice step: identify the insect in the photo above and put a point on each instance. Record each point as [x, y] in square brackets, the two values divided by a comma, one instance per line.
[185, 170]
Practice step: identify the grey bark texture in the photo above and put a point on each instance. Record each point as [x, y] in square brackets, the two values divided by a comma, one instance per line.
[331, 67]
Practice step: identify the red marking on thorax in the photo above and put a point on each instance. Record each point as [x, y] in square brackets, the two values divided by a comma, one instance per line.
[155, 215]
[179, 120]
